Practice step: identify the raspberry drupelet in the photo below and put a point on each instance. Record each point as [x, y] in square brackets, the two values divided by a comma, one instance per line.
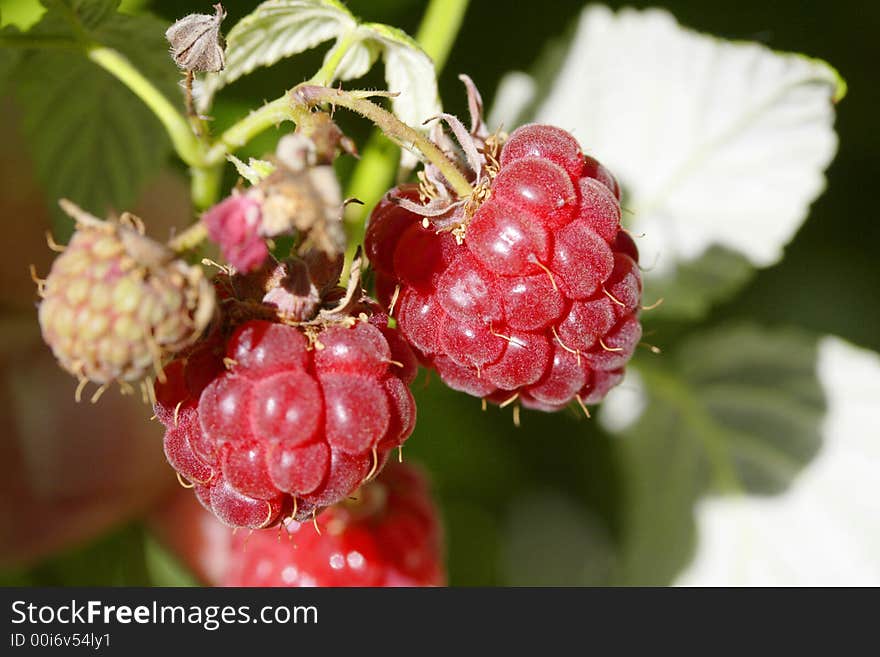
[390, 535]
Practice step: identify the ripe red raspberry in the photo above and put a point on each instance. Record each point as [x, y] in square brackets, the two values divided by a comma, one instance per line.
[389, 536]
[279, 420]
[533, 294]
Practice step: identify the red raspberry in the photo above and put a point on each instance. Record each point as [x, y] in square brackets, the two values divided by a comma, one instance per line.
[285, 427]
[535, 294]
[389, 536]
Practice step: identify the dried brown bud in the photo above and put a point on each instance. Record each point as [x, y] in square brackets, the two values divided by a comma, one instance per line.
[303, 196]
[196, 43]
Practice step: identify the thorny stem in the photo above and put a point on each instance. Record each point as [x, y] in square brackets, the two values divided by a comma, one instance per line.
[390, 125]
[437, 32]
[375, 172]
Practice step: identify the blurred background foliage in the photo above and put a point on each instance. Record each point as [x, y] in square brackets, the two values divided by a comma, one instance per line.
[557, 501]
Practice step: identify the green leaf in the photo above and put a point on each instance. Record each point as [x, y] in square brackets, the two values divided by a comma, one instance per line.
[736, 411]
[91, 139]
[694, 287]
[825, 529]
[550, 540]
[409, 71]
[9, 57]
[87, 14]
[115, 559]
[273, 31]
[254, 171]
[163, 567]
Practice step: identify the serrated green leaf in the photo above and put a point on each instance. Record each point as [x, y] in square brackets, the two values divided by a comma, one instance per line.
[717, 142]
[693, 288]
[274, 30]
[91, 139]
[738, 410]
[825, 529]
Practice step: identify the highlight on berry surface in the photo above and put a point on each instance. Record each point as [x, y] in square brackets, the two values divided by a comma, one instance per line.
[388, 534]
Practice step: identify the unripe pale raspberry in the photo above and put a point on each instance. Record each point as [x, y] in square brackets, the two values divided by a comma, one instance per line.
[115, 302]
[389, 535]
[531, 294]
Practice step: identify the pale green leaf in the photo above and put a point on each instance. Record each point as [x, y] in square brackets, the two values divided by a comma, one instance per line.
[254, 171]
[738, 410]
[273, 31]
[409, 71]
[358, 59]
[691, 291]
[825, 529]
[715, 141]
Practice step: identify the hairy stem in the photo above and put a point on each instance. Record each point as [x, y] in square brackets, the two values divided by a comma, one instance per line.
[376, 169]
[184, 141]
[390, 125]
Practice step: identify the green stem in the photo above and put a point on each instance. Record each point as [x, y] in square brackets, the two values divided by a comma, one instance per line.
[376, 169]
[190, 238]
[327, 72]
[185, 142]
[390, 125]
[205, 185]
[439, 27]
[269, 115]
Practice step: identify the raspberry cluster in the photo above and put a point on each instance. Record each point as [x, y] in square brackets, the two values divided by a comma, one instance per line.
[279, 420]
[534, 296]
[389, 536]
